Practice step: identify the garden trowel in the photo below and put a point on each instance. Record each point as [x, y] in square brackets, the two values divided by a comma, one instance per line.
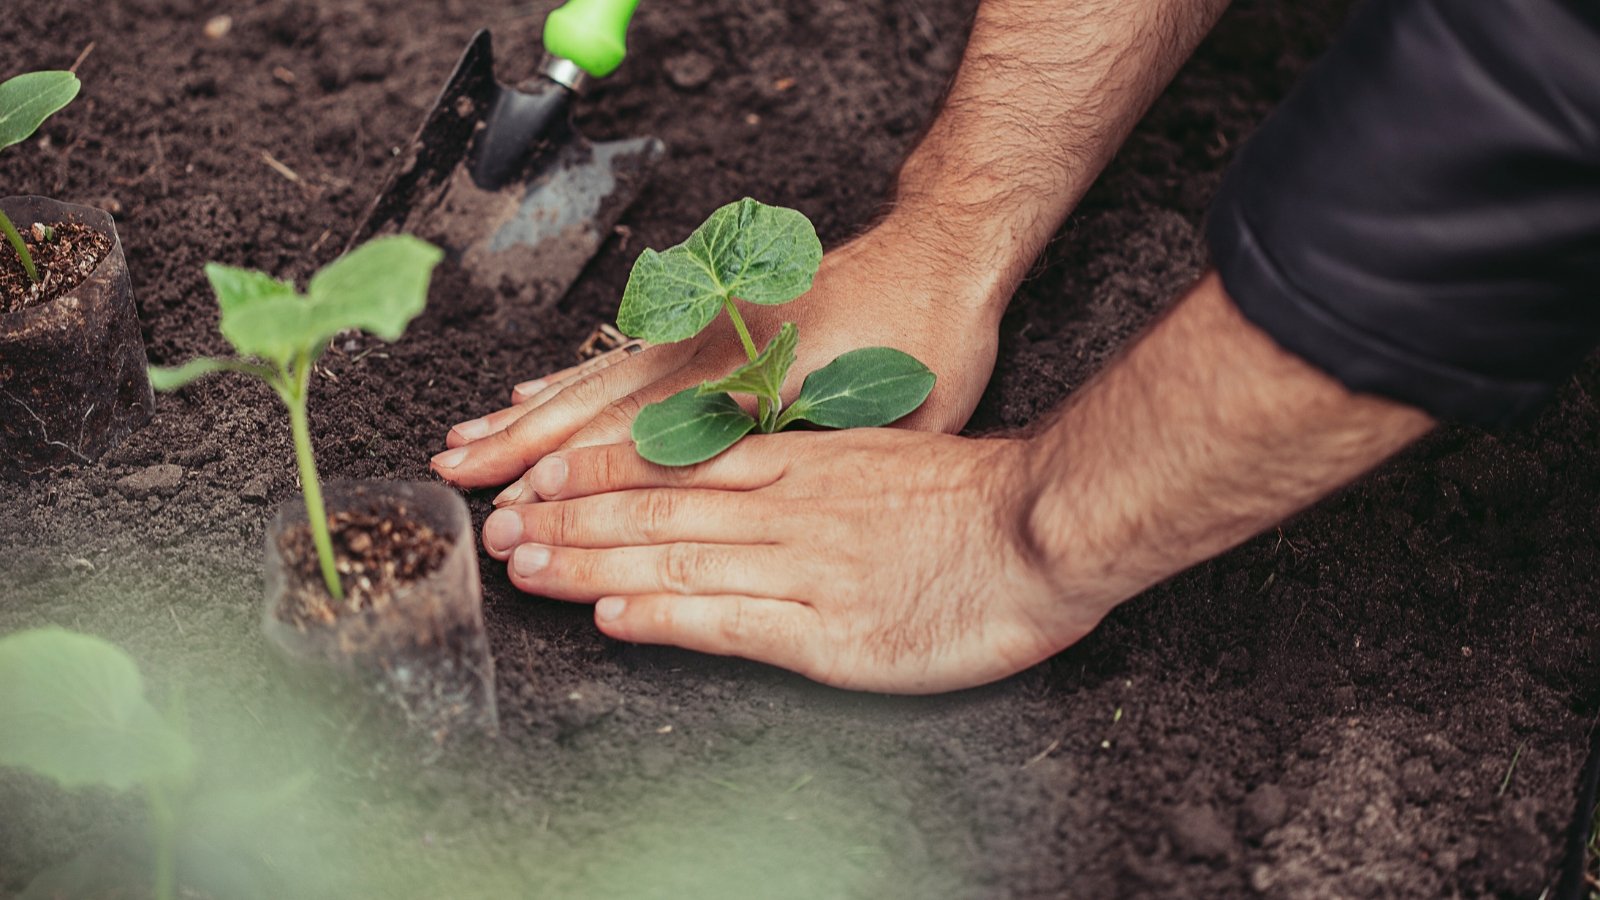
[499, 177]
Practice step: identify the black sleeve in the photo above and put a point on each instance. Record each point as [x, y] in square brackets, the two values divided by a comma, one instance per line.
[1421, 217]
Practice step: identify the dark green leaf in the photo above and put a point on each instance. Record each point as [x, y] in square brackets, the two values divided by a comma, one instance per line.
[757, 253]
[28, 99]
[688, 428]
[861, 389]
[72, 708]
[762, 376]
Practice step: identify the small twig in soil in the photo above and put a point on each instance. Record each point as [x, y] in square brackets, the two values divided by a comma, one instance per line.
[81, 57]
[602, 339]
[280, 168]
[1042, 754]
[176, 621]
[802, 782]
[1506, 782]
[317, 245]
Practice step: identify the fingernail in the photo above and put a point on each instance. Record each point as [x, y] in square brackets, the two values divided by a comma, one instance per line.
[450, 458]
[549, 476]
[510, 495]
[529, 388]
[529, 559]
[502, 530]
[472, 430]
[609, 608]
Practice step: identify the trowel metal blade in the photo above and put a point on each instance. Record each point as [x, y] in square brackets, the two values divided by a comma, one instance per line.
[528, 240]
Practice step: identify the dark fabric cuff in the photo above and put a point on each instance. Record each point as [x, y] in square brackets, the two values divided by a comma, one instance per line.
[1363, 362]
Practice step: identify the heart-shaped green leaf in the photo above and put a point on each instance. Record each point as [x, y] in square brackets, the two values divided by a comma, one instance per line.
[762, 376]
[28, 99]
[378, 287]
[749, 250]
[689, 427]
[861, 389]
[72, 708]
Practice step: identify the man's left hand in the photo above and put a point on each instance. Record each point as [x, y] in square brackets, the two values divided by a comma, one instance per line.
[876, 559]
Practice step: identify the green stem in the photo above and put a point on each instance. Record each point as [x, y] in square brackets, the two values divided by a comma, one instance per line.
[738, 325]
[300, 425]
[164, 828]
[11, 234]
[749, 349]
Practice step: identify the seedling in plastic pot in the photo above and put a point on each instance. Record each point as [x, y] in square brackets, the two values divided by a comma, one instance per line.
[279, 332]
[758, 254]
[25, 102]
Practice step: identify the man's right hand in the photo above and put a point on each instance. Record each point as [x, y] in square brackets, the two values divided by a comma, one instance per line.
[880, 290]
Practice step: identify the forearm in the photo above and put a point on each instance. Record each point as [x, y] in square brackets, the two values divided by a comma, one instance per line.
[1202, 435]
[1046, 93]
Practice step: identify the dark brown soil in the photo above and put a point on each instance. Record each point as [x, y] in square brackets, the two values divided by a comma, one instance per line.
[1332, 710]
[375, 552]
[64, 255]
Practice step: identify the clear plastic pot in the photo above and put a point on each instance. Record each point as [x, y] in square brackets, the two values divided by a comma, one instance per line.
[72, 369]
[426, 651]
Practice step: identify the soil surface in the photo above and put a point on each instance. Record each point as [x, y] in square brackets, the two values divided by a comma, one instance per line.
[1389, 696]
[63, 254]
[376, 551]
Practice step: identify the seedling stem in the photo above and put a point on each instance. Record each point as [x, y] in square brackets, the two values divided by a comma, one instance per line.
[749, 349]
[17, 244]
[295, 396]
[164, 835]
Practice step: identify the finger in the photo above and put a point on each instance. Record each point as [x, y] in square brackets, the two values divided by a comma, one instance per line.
[499, 457]
[779, 632]
[627, 519]
[530, 395]
[465, 433]
[582, 472]
[570, 573]
[528, 390]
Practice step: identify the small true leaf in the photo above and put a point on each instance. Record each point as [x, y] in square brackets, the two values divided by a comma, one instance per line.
[72, 708]
[762, 376]
[170, 378]
[862, 389]
[28, 99]
[688, 428]
[749, 250]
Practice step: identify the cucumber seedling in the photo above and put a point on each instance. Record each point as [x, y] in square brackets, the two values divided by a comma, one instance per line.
[378, 288]
[766, 255]
[25, 102]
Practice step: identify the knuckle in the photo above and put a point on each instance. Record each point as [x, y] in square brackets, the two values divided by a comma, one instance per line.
[734, 626]
[654, 513]
[683, 568]
[623, 410]
[564, 522]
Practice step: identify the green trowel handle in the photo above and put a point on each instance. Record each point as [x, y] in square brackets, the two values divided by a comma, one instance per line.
[591, 33]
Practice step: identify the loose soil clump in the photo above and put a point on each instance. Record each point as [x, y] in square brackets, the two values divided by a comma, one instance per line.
[64, 254]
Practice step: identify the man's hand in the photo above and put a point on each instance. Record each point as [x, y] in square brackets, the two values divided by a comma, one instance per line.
[894, 561]
[876, 559]
[1045, 94]
[873, 291]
